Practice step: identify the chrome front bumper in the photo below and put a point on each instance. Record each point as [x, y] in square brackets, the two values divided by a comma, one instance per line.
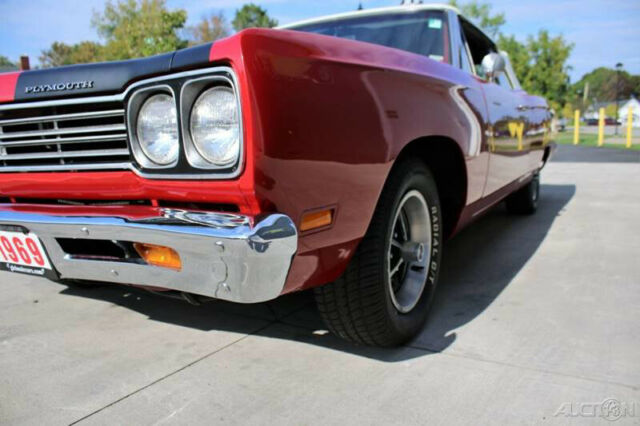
[225, 256]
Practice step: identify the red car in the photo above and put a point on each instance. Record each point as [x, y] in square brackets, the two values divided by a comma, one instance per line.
[336, 154]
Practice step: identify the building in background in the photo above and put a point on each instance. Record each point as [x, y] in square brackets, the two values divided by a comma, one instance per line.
[623, 112]
[593, 111]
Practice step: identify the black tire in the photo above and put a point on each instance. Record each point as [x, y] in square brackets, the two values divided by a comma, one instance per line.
[525, 200]
[359, 306]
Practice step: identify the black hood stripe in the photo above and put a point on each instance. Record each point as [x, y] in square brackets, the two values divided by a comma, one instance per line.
[106, 77]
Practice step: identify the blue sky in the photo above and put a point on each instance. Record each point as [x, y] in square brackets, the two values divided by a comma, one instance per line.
[604, 32]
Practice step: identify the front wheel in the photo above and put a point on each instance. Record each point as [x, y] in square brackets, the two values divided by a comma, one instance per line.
[384, 296]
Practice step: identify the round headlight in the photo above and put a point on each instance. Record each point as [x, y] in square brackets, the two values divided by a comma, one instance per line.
[214, 126]
[157, 129]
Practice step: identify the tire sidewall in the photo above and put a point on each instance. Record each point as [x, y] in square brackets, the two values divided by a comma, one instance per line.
[408, 324]
[534, 191]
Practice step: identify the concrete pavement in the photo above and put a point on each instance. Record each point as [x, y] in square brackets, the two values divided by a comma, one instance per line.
[536, 320]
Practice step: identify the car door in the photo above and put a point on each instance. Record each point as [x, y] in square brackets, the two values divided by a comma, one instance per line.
[508, 127]
[507, 119]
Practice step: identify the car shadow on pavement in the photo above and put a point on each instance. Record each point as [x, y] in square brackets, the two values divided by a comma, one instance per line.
[478, 264]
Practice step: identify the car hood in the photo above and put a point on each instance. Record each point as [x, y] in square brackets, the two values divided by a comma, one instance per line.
[95, 79]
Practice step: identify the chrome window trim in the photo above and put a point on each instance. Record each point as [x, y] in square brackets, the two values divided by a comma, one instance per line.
[121, 97]
[459, 45]
[454, 38]
[132, 120]
[510, 72]
[190, 149]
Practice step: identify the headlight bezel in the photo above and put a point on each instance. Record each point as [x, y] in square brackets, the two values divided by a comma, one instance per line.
[135, 104]
[185, 87]
[190, 92]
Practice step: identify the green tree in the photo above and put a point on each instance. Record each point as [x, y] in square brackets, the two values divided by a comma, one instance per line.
[57, 55]
[481, 13]
[602, 84]
[568, 111]
[519, 55]
[209, 29]
[541, 65]
[549, 74]
[251, 16]
[610, 110]
[5, 63]
[136, 28]
[64, 54]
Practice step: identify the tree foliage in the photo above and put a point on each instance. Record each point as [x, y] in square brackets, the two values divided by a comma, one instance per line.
[481, 14]
[5, 63]
[603, 81]
[210, 29]
[541, 65]
[136, 28]
[64, 54]
[252, 16]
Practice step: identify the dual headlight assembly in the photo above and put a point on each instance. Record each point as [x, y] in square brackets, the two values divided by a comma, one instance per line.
[207, 130]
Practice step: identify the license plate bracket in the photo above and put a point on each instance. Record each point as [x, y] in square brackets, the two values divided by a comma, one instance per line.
[22, 252]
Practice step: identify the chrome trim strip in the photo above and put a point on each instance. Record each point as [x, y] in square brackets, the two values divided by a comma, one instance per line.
[68, 167]
[60, 102]
[65, 131]
[64, 117]
[223, 255]
[455, 36]
[67, 154]
[75, 139]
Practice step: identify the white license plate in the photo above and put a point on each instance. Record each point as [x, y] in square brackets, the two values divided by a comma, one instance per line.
[22, 253]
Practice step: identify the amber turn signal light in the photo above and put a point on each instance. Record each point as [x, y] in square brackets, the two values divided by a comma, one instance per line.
[159, 255]
[316, 219]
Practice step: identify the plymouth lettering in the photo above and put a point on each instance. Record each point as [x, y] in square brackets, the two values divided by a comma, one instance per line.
[59, 87]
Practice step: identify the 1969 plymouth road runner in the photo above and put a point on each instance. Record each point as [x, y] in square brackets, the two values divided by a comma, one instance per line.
[336, 154]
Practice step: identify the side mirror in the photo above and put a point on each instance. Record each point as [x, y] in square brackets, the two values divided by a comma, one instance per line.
[493, 64]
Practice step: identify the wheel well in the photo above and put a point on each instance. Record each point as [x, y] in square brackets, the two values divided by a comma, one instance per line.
[446, 162]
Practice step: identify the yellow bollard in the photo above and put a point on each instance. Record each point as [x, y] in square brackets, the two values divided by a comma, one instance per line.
[576, 128]
[601, 127]
[629, 123]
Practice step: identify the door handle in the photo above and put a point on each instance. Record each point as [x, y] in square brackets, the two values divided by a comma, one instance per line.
[522, 107]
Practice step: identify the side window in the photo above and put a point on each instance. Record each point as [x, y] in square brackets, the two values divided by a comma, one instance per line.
[479, 45]
[503, 80]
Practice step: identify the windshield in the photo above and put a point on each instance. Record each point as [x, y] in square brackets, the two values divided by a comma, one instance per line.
[424, 33]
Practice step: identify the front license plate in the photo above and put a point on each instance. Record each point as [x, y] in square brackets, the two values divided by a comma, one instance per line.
[23, 253]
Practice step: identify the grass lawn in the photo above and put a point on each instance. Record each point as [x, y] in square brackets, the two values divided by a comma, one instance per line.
[566, 138]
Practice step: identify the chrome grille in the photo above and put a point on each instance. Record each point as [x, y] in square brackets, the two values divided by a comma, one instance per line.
[49, 136]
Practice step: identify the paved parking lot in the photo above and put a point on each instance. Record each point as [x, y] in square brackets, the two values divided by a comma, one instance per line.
[537, 318]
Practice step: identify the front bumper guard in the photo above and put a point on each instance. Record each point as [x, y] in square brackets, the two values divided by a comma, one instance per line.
[225, 256]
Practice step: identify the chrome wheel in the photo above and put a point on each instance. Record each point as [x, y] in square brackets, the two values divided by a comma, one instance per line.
[409, 251]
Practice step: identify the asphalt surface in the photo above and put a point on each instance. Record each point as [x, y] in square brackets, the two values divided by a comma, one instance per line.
[536, 321]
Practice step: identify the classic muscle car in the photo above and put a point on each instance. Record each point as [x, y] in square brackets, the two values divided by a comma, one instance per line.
[336, 154]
